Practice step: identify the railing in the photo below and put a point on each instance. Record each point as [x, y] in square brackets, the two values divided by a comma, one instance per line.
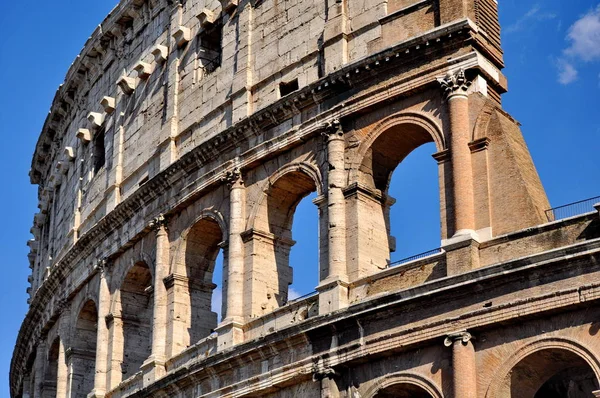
[302, 297]
[416, 257]
[572, 209]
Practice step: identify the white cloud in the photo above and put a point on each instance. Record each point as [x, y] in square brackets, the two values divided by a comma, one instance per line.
[584, 38]
[293, 294]
[566, 72]
[535, 14]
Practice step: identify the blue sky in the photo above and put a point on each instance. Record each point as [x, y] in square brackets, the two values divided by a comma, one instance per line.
[552, 53]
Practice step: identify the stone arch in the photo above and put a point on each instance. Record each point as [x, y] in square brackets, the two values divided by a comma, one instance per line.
[130, 322]
[417, 119]
[483, 121]
[383, 148]
[415, 385]
[83, 349]
[306, 168]
[50, 379]
[269, 234]
[532, 366]
[193, 270]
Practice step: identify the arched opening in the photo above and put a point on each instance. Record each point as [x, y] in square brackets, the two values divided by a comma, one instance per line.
[83, 353]
[415, 214]
[136, 316]
[51, 372]
[550, 373]
[203, 245]
[371, 219]
[304, 258]
[403, 390]
[270, 242]
[29, 378]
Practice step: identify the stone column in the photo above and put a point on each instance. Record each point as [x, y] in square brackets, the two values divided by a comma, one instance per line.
[100, 375]
[62, 372]
[230, 330]
[334, 288]
[464, 371]
[154, 367]
[40, 361]
[455, 88]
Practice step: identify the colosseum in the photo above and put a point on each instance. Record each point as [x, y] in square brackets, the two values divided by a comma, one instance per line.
[189, 128]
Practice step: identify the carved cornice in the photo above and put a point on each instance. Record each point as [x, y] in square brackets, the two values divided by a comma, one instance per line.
[455, 84]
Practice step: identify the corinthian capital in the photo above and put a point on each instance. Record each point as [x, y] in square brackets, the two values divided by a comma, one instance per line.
[158, 222]
[332, 129]
[232, 177]
[455, 83]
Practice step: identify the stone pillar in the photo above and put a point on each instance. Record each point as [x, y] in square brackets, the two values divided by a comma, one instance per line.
[335, 36]
[62, 372]
[230, 330]
[100, 375]
[40, 360]
[333, 290]
[154, 367]
[455, 87]
[26, 386]
[464, 371]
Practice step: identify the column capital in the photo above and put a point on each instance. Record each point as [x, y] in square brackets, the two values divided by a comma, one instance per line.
[233, 178]
[102, 265]
[464, 337]
[455, 84]
[158, 223]
[332, 129]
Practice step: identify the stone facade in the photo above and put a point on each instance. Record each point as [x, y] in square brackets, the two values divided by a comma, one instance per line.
[189, 127]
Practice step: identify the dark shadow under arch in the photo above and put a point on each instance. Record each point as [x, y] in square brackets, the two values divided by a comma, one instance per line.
[83, 355]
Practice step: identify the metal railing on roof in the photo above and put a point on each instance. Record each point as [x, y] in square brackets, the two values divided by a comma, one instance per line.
[572, 209]
[416, 257]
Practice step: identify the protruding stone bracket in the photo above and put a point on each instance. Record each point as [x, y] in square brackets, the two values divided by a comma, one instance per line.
[62, 167]
[84, 135]
[96, 119]
[182, 36]
[464, 337]
[109, 104]
[143, 69]
[479, 145]
[69, 153]
[207, 18]
[229, 5]
[455, 84]
[126, 84]
[161, 53]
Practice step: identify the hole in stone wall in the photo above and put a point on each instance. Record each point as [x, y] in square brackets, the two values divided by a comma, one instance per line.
[286, 88]
[209, 47]
[99, 154]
